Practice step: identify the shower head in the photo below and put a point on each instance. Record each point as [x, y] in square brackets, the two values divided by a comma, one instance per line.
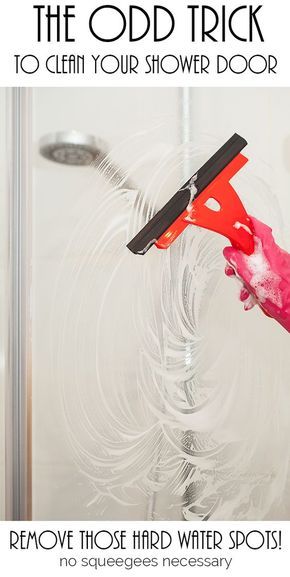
[72, 148]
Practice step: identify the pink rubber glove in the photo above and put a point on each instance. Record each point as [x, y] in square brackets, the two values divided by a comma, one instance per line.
[265, 275]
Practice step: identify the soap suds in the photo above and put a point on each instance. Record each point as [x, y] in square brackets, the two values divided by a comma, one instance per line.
[239, 225]
[193, 191]
[264, 281]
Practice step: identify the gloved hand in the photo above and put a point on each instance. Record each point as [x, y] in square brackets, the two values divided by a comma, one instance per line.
[264, 275]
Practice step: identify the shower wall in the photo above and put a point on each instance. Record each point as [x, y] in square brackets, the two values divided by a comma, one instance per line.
[141, 127]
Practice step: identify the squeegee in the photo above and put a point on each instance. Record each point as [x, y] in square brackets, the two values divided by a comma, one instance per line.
[207, 200]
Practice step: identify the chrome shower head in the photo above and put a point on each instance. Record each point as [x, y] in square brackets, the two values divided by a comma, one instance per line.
[72, 148]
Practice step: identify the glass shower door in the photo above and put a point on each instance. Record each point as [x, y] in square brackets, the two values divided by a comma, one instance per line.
[142, 382]
[97, 447]
[127, 383]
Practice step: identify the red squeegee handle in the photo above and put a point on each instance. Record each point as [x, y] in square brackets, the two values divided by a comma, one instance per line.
[230, 219]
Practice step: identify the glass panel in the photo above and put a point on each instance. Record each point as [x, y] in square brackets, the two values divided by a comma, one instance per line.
[82, 316]
[154, 395]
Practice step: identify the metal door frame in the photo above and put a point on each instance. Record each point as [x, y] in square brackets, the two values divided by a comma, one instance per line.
[18, 394]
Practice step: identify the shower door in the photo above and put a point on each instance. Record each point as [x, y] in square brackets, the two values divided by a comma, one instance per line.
[141, 382]
[85, 346]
